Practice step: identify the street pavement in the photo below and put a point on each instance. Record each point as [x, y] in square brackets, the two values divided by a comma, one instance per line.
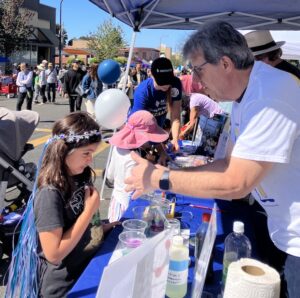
[49, 113]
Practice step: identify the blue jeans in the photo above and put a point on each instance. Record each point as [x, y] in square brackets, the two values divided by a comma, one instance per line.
[288, 266]
[291, 277]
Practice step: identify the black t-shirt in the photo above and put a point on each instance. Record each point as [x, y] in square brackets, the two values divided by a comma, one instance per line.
[288, 67]
[52, 210]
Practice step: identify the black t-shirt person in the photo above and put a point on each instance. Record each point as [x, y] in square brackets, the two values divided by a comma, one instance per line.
[52, 210]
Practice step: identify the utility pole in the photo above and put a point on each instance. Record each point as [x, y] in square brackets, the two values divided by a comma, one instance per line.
[60, 34]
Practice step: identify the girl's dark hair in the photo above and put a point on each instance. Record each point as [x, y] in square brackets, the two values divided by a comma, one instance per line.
[54, 171]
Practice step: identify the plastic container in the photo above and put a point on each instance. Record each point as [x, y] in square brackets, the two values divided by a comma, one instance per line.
[178, 269]
[200, 235]
[174, 224]
[237, 246]
[131, 240]
[134, 225]
[199, 240]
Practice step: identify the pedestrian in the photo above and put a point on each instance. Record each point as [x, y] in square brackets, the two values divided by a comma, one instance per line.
[72, 79]
[263, 155]
[37, 87]
[92, 87]
[265, 49]
[61, 75]
[43, 82]
[24, 81]
[51, 78]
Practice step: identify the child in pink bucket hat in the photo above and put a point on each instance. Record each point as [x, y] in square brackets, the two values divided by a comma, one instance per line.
[137, 135]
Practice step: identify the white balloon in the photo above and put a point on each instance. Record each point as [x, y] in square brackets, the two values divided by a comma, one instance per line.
[111, 108]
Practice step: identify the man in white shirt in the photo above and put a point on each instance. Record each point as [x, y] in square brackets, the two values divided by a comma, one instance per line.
[264, 157]
[51, 77]
[24, 82]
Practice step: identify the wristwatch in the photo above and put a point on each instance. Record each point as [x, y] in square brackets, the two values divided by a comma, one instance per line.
[164, 182]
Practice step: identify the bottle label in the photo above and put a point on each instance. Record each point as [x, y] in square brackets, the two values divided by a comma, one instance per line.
[178, 272]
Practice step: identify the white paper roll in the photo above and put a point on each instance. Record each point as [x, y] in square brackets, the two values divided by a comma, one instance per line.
[248, 278]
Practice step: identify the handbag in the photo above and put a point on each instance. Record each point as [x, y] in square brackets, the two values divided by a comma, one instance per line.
[79, 90]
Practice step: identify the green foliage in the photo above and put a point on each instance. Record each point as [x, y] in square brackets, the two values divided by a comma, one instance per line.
[64, 34]
[14, 28]
[71, 58]
[177, 60]
[121, 60]
[93, 60]
[106, 41]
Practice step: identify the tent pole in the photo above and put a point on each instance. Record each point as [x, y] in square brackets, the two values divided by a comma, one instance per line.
[123, 89]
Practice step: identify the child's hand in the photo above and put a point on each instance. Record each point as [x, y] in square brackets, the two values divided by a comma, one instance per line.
[108, 226]
[91, 200]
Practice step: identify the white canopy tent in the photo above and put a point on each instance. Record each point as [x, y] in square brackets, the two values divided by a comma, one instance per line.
[291, 50]
[191, 14]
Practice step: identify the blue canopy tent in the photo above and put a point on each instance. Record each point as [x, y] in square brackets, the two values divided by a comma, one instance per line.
[191, 14]
[3, 59]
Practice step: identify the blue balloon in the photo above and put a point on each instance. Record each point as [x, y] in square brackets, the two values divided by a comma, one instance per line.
[109, 71]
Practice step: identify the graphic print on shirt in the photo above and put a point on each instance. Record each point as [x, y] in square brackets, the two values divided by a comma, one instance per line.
[174, 92]
[159, 109]
[77, 201]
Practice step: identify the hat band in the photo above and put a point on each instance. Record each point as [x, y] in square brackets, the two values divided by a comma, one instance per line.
[263, 47]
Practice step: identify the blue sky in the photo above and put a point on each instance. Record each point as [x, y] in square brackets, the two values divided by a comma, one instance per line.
[80, 17]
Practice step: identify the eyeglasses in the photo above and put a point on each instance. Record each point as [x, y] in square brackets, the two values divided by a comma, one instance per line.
[198, 68]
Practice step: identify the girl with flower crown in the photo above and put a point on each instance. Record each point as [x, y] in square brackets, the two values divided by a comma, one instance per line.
[60, 232]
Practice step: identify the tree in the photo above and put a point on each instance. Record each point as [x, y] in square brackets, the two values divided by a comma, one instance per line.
[177, 60]
[106, 41]
[14, 26]
[64, 35]
[121, 60]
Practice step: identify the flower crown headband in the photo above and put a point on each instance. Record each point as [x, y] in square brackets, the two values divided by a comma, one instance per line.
[72, 137]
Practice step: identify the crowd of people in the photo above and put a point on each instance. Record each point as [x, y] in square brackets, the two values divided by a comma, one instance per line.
[262, 153]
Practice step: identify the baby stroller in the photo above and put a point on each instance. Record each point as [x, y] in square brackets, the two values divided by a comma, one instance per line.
[15, 130]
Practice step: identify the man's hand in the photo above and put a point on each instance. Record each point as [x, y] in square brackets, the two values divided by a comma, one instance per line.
[144, 177]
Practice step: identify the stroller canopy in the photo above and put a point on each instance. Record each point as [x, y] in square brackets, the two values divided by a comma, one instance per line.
[15, 130]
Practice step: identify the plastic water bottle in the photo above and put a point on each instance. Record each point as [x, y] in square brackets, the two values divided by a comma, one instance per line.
[178, 269]
[199, 240]
[237, 246]
[200, 235]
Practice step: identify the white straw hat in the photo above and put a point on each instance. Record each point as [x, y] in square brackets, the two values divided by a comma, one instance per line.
[261, 42]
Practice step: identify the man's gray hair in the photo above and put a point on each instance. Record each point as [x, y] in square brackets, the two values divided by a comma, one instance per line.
[217, 39]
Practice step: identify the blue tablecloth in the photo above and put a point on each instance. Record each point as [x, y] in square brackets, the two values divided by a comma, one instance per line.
[87, 284]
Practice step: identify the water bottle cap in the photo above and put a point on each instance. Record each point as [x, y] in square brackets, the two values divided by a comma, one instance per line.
[177, 240]
[205, 217]
[238, 227]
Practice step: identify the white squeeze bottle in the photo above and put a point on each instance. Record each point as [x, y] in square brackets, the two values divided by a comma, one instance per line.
[178, 269]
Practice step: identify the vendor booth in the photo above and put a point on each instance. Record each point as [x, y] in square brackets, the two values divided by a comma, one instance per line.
[185, 15]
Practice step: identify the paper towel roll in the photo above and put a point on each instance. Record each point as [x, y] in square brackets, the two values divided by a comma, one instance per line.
[248, 278]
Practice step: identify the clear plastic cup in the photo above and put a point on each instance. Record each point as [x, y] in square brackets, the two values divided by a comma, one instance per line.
[134, 225]
[130, 240]
[173, 224]
[141, 212]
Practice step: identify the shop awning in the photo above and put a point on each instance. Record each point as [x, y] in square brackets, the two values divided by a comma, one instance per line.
[51, 37]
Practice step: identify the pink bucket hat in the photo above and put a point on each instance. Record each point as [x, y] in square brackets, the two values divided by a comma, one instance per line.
[140, 129]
